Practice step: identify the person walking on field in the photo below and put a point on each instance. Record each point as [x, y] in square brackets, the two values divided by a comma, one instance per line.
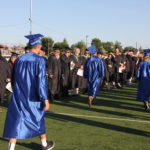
[94, 72]
[29, 101]
[143, 75]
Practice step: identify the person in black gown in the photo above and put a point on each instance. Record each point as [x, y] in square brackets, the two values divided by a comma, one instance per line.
[54, 74]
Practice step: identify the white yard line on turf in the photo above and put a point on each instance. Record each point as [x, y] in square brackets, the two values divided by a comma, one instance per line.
[99, 117]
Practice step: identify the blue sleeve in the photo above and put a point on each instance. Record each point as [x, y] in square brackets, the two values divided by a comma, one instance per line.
[138, 72]
[85, 71]
[101, 67]
[42, 84]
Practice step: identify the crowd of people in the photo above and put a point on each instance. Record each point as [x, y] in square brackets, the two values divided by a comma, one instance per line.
[65, 71]
[36, 80]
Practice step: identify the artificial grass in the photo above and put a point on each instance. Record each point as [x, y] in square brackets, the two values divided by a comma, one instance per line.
[81, 133]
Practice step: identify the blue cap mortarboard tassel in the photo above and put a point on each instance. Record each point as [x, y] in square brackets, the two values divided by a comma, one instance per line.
[34, 39]
[92, 49]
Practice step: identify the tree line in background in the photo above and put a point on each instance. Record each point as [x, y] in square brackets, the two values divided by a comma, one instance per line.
[104, 47]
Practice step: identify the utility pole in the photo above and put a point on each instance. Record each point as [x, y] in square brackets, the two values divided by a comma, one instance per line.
[30, 17]
[86, 41]
[136, 45]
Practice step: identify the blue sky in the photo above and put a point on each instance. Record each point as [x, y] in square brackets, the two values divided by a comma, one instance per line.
[127, 21]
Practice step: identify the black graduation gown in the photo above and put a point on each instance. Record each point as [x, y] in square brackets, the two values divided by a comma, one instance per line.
[130, 72]
[127, 67]
[46, 63]
[127, 63]
[114, 68]
[134, 70]
[117, 61]
[110, 70]
[5, 73]
[65, 63]
[54, 68]
[74, 78]
[82, 82]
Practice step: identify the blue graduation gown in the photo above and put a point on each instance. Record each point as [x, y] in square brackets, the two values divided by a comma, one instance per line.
[93, 71]
[25, 115]
[143, 75]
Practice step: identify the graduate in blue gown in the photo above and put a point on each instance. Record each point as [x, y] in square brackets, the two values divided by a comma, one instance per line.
[143, 75]
[29, 101]
[94, 72]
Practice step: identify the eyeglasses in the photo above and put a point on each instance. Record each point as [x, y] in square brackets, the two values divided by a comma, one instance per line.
[57, 51]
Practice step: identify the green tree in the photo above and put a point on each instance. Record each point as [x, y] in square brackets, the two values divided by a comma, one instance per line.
[58, 45]
[47, 44]
[118, 45]
[108, 46]
[62, 45]
[72, 47]
[104, 52]
[81, 45]
[130, 48]
[97, 42]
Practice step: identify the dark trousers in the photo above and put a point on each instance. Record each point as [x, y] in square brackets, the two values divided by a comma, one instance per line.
[65, 91]
[2, 92]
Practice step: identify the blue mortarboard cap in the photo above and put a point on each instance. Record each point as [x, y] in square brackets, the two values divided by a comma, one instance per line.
[34, 39]
[146, 51]
[92, 49]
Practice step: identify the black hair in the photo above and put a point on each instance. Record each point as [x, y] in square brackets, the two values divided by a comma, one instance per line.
[99, 53]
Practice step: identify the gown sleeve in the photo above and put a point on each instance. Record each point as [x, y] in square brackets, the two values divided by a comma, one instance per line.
[101, 67]
[137, 77]
[85, 71]
[42, 85]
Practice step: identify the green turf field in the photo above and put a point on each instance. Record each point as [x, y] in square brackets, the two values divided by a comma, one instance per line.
[91, 133]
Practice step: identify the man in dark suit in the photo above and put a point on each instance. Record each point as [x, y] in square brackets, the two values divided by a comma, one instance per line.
[65, 62]
[4, 76]
[54, 74]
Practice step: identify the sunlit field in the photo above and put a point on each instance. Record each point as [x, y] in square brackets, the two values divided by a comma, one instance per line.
[116, 122]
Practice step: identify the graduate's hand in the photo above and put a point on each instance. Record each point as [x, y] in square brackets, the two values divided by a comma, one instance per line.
[8, 80]
[46, 105]
[81, 67]
[110, 66]
[72, 64]
[51, 76]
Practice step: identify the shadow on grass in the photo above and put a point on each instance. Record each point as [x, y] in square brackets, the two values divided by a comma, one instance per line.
[102, 111]
[105, 102]
[32, 145]
[122, 99]
[104, 98]
[121, 95]
[100, 124]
